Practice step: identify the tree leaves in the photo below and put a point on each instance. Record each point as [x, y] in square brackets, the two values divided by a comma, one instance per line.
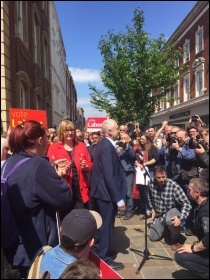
[134, 67]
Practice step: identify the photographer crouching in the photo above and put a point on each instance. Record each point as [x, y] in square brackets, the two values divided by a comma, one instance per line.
[187, 169]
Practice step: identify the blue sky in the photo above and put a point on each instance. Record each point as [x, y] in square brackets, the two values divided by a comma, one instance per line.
[83, 23]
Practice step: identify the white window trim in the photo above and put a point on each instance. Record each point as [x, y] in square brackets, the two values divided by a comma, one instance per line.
[176, 100]
[200, 29]
[186, 95]
[198, 69]
[186, 46]
[168, 99]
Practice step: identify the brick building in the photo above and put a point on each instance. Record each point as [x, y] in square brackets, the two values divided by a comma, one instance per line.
[191, 91]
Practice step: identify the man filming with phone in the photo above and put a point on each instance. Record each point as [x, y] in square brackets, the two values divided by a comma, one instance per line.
[169, 205]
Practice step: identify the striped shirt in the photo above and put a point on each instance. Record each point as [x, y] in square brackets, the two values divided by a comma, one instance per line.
[166, 197]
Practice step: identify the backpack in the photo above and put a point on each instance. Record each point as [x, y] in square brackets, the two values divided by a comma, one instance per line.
[34, 270]
[9, 228]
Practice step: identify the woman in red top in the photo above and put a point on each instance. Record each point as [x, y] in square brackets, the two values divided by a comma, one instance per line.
[68, 148]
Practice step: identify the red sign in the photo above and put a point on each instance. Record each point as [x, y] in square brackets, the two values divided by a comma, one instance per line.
[94, 124]
[106, 272]
[17, 116]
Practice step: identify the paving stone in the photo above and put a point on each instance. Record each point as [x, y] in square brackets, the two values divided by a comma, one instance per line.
[130, 234]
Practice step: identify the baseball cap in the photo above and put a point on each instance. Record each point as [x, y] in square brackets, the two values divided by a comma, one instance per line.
[80, 225]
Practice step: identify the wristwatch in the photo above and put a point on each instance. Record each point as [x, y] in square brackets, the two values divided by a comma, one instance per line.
[192, 249]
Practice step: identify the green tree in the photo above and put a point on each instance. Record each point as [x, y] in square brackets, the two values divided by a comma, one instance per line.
[134, 66]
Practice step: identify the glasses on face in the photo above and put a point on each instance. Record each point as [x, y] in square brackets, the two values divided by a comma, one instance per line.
[69, 130]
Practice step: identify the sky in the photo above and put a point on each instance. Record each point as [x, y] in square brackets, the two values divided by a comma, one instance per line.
[82, 24]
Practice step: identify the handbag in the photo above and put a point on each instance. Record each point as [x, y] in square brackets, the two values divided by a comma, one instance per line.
[140, 177]
[34, 271]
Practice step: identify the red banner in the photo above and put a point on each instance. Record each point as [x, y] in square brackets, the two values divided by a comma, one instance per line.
[106, 272]
[94, 124]
[17, 116]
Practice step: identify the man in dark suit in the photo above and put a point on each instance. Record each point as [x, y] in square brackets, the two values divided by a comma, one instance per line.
[95, 139]
[108, 189]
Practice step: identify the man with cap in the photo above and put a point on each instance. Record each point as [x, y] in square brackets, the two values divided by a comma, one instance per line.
[76, 238]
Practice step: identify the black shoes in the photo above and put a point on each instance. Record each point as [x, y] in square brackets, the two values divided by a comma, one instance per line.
[127, 217]
[116, 265]
[188, 232]
[120, 215]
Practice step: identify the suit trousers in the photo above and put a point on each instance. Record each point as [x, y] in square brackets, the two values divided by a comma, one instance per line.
[105, 234]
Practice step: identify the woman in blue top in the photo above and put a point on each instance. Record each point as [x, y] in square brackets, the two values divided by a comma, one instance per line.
[36, 192]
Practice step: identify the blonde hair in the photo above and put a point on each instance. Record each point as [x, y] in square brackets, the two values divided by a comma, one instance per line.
[65, 124]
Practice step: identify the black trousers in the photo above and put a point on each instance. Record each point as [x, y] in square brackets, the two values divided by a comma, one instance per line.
[194, 263]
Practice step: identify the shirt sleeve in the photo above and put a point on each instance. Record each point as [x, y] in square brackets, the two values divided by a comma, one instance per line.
[182, 202]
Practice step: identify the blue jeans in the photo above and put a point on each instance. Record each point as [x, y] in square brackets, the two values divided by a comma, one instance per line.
[190, 221]
[129, 195]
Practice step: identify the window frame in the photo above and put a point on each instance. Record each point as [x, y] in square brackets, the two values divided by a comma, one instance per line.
[186, 93]
[186, 47]
[198, 41]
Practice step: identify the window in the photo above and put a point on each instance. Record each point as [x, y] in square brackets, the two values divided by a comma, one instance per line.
[186, 87]
[198, 66]
[162, 105]
[46, 58]
[22, 21]
[36, 37]
[38, 102]
[176, 62]
[199, 82]
[23, 89]
[22, 96]
[186, 51]
[168, 99]
[38, 93]
[176, 95]
[199, 40]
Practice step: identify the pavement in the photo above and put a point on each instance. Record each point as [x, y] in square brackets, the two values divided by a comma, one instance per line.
[159, 263]
[158, 257]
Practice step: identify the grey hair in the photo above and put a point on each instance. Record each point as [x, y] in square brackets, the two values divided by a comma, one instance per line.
[107, 125]
[201, 185]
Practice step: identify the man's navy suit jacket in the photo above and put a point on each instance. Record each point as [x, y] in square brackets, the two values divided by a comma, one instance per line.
[108, 181]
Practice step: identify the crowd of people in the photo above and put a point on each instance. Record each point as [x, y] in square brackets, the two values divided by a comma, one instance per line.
[71, 175]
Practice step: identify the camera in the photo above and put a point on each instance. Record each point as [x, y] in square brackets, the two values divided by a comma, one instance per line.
[171, 139]
[194, 118]
[130, 129]
[121, 144]
[195, 144]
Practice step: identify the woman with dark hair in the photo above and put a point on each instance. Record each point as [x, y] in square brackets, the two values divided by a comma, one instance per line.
[147, 156]
[68, 147]
[149, 152]
[36, 192]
